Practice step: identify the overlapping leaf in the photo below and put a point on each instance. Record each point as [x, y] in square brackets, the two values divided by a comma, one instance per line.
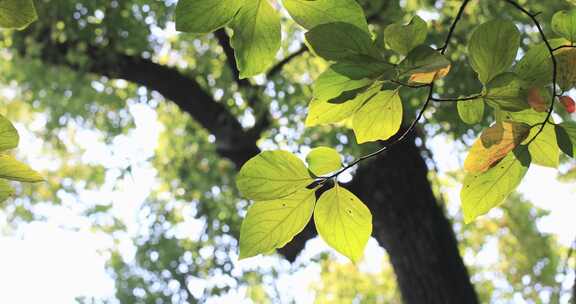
[343, 221]
[323, 160]
[471, 111]
[483, 191]
[506, 91]
[494, 144]
[272, 175]
[379, 118]
[403, 38]
[312, 13]
[566, 137]
[492, 48]
[272, 224]
[564, 23]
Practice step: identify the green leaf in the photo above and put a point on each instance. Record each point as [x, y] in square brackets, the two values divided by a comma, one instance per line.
[205, 16]
[256, 38]
[332, 84]
[323, 160]
[506, 92]
[566, 59]
[12, 169]
[344, 222]
[494, 144]
[338, 41]
[471, 111]
[360, 67]
[566, 137]
[272, 224]
[544, 149]
[313, 13]
[535, 68]
[322, 112]
[6, 190]
[8, 135]
[272, 175]
[483, 191]
[423, 59]
[17, 14]
[564, 24]
[492, 48]
[379, 118]
[402, 38]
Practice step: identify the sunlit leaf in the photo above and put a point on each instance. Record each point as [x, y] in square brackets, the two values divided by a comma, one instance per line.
[312, 13]
[272, 224]
[17, 14]
[325, 112]
[338, 41]
[402, 38]
[323, 160]
[535, 68]
[380, 118]
[12, 169]
[564, 24]
[272, 175]
[9, 137]
[343, 221]
[492, 48]
[543, 150]
[506, 92]
[483, 191]
[256, 38]
[494, 144]
[471, 111]
[205, 16]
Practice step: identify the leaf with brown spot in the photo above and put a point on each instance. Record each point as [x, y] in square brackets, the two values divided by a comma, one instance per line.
[494, 144]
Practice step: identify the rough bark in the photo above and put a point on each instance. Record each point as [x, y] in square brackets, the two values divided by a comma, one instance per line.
[411, 225]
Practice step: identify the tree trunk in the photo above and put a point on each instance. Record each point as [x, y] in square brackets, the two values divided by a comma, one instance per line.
[412, 227]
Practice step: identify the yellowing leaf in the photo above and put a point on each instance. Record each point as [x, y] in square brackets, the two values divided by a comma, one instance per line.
[323, 160]
[380, 118]
[8, 135]
[272, 224]
[494, 144]
[430, 76]
[12, 169]
[272, 175]
[343, 221]
[483, 191]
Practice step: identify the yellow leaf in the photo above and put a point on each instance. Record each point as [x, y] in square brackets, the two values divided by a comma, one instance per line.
[430, 76]
[494, 144]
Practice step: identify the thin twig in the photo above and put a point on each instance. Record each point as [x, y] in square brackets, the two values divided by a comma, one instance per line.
[552, 58]
[457, 99]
